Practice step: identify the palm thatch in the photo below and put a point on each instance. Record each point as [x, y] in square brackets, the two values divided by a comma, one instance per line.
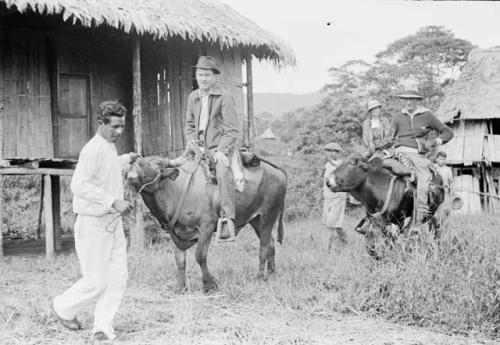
[191, 19]
[475, 95]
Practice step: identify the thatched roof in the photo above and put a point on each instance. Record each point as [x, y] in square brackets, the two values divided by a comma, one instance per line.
[476, 93]
[192, 19]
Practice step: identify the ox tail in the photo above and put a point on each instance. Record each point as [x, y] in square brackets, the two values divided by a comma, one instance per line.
[281, 226]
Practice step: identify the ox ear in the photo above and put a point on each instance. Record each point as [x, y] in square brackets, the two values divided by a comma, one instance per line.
[376, 163]
[171, 173]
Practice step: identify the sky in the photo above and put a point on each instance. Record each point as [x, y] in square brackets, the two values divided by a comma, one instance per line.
[359, 29]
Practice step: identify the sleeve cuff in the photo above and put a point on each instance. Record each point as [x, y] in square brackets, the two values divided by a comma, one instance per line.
[108, 201]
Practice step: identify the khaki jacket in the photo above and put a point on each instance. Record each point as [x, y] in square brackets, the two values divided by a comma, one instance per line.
[222, 131]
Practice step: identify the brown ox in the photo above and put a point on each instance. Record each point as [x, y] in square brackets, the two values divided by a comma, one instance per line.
[260, 204]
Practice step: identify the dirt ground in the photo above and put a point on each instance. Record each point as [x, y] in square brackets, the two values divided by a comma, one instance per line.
[244, 310]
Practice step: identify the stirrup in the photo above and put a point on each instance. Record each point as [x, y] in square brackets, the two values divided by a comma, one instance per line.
[218, 232]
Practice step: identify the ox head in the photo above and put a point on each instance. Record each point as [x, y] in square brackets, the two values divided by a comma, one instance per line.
[349, 175]
[146, 174]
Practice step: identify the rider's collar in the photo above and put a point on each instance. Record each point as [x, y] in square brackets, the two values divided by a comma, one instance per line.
[419, 110]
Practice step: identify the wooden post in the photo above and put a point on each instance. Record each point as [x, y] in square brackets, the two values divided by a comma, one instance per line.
[137, 237]
[1, 214]
[49, 218]
[56, 209]
[248, 63]
[2, 93]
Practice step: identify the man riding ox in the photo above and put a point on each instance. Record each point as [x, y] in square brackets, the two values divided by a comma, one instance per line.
[212, 123]
[185, 198]
[411, 128]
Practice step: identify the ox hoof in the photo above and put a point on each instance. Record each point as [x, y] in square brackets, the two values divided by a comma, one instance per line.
[210, 285]
[181, 290]
[261, 276]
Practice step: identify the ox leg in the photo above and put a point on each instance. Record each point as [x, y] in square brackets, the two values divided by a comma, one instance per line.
[180, 260]
[264, 250]
[270, 257]
[201, 252]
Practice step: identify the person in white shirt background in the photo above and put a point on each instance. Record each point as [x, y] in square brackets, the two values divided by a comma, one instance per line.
[447, 175]
[101, 247]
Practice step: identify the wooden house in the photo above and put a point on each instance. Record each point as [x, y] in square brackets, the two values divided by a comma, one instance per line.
[60, 59]
[471, 107]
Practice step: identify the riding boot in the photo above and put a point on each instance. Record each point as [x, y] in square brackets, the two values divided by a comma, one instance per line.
[422, 210]
[227, 230]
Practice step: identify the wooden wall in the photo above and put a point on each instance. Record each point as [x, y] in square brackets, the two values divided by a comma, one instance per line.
[50, 88]
[25, 94]
[166, 84]
[52, 83]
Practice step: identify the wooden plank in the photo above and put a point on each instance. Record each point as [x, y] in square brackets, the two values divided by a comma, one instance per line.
[250, 110]
[54, 94]
[39, 171]
[1, 217]
[237, 77]
[56, 210]
[71, 139]
[2, 105]
[186, 83]
[175, 105]
[137, 240]
[49, 218]
[473, 149]
[164, 109]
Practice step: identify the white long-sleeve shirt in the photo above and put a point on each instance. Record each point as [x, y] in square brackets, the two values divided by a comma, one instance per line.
[97, 181]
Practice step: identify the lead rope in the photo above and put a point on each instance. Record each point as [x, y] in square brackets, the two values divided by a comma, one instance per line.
[117, 215]
[387, 199]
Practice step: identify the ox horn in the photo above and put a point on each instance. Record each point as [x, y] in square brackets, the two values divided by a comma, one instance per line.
[174, 163]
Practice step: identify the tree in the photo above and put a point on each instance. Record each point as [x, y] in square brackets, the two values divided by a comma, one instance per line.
[428, 57]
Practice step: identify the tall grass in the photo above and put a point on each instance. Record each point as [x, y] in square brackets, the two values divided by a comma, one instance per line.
[453, 287]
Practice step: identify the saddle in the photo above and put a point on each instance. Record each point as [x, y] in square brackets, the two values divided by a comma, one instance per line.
[401, 165]
[245, 159]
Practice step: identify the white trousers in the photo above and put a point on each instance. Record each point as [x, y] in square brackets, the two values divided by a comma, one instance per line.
[102, 250]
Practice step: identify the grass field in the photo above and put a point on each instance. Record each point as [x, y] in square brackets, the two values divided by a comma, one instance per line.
[315, 297]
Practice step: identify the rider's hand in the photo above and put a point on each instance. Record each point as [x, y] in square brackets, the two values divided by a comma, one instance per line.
[133, 157]
[222, 158]
[122, 206]
[438, 142]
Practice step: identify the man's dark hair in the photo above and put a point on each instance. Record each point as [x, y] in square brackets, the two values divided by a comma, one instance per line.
[441, 154]
[110, 108]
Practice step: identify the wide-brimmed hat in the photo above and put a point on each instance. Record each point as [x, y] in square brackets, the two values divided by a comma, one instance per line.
[332, 147]
[374, 104]
[410, 94]
[207, 62]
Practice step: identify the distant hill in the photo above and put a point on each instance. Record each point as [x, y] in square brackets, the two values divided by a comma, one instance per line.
[279, 103]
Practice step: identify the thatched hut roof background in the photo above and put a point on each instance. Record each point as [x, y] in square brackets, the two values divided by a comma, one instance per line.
[191, 19]
[476, 93]
[268, 134]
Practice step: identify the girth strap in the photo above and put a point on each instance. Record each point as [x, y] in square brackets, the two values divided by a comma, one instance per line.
[185, 188]
[387, 199]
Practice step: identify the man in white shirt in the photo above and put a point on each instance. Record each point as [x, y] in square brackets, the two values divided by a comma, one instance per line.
[100, 244]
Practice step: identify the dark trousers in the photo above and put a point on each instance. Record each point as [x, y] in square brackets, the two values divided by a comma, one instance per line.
[225, 179]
